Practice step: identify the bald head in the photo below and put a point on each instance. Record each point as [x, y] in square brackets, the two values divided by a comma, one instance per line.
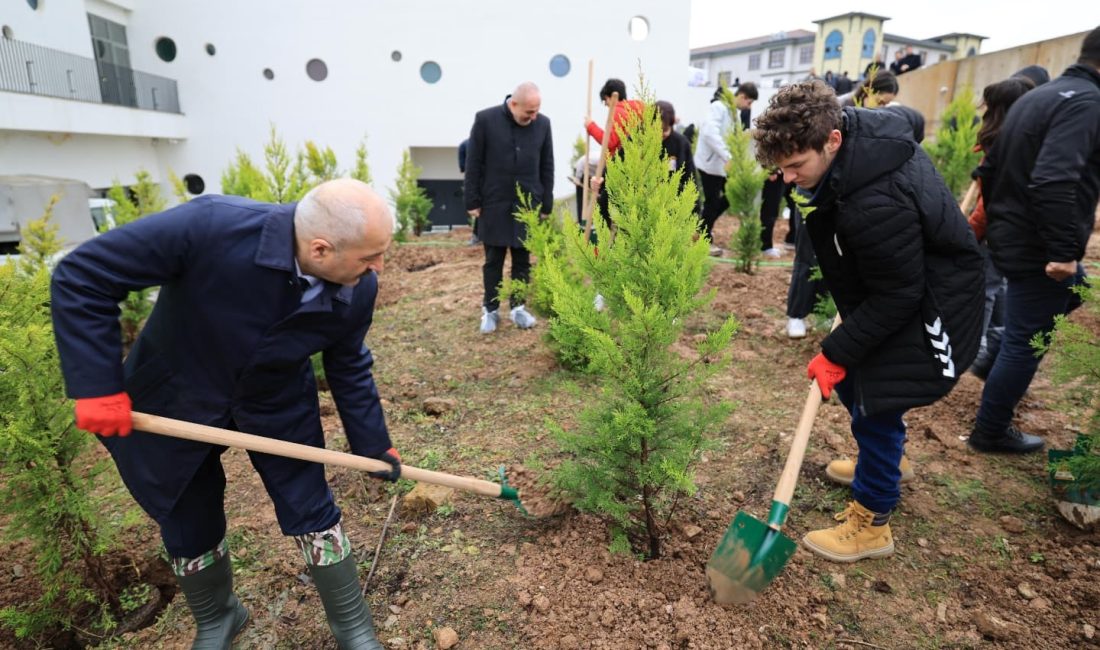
[525, 103]
[341, 229]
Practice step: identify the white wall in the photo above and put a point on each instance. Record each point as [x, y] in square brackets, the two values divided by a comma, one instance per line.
[22, 112]
[484, 50]
[96, 160]
[58, 24]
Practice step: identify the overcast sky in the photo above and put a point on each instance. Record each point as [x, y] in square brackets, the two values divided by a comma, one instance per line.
[1007, 23]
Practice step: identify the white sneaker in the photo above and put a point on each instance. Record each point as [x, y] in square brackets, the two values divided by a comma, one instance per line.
[773, 253]
[523, 318]
[489, 320]
[796, 328]
[716, 251]
[598, 302]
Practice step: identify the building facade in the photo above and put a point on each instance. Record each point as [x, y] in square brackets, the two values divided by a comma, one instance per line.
[96, 89]
[845, 43]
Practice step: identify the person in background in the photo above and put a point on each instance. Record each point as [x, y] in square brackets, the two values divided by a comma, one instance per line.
[843, 83]
[712, 155]
[627, 111]
[997, 98]
[676, 147]
[510, 146]
[881, 90]
[1040, 183]
[248, 293]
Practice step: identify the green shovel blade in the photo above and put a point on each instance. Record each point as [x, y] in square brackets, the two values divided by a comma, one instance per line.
[747, 559]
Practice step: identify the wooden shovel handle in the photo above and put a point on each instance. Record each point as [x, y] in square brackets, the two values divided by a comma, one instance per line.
[215, 436]
[784, 490]
[612, 101]
[585, 189]
[970, 199]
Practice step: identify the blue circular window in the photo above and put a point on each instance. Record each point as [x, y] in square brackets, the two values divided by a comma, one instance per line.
[431, 72]
[559, 65]
[395, 55]
[33, 4]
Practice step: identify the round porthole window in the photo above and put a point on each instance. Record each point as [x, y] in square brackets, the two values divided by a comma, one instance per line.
[639, 28]
[166, 49]
[6, 31]
[210, 49]
[559, 65]
[269, 74]
[317, 70]
[34, 4]
[431, 72]
[395, 55]
[194, 183]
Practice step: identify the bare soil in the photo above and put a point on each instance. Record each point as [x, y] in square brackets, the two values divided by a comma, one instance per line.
[983, 559]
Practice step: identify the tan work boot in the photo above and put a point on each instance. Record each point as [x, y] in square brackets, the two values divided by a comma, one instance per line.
[843, 470]
[854, 539]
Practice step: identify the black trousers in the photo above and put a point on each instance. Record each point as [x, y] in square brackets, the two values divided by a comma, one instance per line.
[803, 292]
[714, 201]
[492, 272]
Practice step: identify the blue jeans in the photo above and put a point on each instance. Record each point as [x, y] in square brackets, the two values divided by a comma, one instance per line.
[881, 442]
[1030, 307]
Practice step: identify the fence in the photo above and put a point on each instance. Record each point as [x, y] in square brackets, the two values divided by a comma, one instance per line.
[37, 70]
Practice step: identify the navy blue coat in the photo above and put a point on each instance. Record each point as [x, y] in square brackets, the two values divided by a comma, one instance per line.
[228, 343]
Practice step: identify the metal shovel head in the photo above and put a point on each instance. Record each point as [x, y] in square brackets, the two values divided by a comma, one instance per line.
[747, 559]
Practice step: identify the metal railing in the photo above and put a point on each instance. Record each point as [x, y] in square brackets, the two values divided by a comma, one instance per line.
[37, 70]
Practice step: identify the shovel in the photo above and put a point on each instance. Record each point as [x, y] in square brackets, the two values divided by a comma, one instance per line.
[215, 436]
[752, 552]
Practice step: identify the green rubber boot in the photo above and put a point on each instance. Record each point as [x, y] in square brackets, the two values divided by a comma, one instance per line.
[347, 612]
[219, 616]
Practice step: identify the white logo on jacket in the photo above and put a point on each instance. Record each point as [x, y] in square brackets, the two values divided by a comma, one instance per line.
[937, 336]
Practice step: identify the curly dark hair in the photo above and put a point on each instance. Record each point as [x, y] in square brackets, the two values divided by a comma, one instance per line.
[800, 117]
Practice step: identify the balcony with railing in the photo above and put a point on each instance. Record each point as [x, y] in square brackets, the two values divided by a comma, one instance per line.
[37, 70]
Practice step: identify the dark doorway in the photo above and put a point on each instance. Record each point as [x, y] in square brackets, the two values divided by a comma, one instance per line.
[448, 207]
[112, 58]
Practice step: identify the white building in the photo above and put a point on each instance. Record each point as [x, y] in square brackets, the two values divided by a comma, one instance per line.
[95, 89]
[767, 61]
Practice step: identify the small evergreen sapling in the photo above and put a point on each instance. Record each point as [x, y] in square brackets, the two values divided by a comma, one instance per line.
[243, 178]
[634, 447]
[1075, 354]
[744, 182]
[952, 150]
[361, 171]
[410, 201]
[46, 495]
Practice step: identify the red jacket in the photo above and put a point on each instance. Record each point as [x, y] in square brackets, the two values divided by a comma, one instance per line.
[623, 111]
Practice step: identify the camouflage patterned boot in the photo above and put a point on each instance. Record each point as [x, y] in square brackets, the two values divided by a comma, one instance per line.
[207, 584]
[328, 554]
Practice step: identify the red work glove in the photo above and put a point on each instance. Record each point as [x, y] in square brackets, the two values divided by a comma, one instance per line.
[827, 374]
[394, 459]
[107, 415]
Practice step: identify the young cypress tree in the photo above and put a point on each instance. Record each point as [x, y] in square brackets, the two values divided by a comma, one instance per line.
[1075, 355]
[744, 182]
[634, 447]
[952, 150]
[410, 202]
[46, 493]
[361, 171]
[243, 178]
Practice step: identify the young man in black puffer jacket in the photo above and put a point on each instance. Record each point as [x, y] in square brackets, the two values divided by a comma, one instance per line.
[1040, 182]
[906, 274]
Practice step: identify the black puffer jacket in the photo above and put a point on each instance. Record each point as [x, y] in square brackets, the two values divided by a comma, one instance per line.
[501, 155]
[902, 264]
[1041, 178]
